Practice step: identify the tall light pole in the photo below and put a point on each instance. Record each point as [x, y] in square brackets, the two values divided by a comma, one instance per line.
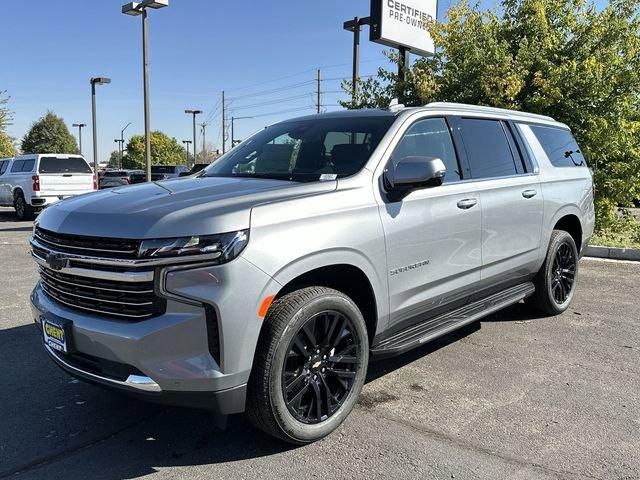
[186, 143]
[80, 125]
[233, 120]
[135, 8]
[95, 81]
[194, 113]
[122, 143]
[119, 142]
[204, 136]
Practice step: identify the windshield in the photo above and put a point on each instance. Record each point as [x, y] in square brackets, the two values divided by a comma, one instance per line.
[63, 165]
[305, 150]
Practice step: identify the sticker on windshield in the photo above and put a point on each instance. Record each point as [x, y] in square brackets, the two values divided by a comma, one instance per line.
[328, 176]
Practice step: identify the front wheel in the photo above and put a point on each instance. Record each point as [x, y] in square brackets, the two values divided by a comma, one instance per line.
[556, 281]
[310, 365]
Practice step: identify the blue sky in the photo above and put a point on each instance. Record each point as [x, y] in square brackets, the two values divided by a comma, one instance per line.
[197, 49]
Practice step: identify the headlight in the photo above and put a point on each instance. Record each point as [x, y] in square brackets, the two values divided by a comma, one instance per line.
[227, 246]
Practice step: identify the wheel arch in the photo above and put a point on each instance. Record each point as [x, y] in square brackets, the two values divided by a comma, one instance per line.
[571, 224]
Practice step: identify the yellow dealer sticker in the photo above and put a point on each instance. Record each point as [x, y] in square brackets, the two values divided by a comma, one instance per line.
[54, 336]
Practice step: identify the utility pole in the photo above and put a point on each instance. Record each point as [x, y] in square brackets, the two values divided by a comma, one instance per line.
[122, 143]
[318, 93]
[204, 132]
[224, 120]
[80, 125]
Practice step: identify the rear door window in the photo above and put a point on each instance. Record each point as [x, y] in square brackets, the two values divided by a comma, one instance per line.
[488, 149]
[3, 166]
[27, 166]
[559, 145]
[63, 165]
[164, 169]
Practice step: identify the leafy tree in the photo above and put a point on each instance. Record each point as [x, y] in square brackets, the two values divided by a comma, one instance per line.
[49, 135]
[562, 58]
[165, 150]
[114, 159]
[7, 148]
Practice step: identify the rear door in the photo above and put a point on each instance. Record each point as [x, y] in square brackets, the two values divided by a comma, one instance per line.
[433, 234]
[511, 198]
[64, 176]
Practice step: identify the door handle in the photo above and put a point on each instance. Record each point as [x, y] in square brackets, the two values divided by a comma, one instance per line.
[529, 193]
[467, 203]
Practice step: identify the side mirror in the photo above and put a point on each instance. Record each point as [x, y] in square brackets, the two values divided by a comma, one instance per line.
[413, 173]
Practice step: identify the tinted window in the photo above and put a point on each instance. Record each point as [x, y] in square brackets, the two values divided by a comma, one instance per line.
[115, 173]
[430, 138]
[63, 165]
[487, 148]
[28, 165]
[559, 145]
[3, 166]
[305, 150]
[17, 166]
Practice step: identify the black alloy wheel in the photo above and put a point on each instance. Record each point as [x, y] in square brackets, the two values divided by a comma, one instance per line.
[320, 366]
[563, 273]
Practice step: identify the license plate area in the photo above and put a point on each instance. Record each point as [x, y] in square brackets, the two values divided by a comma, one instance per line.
[57, 334]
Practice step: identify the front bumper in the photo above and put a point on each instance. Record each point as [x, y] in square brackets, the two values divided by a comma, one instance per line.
[169, 355]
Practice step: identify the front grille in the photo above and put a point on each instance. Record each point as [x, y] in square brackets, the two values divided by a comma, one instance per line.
[129, 300]
[85, 245]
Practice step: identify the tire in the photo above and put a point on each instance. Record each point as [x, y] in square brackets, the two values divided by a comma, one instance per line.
[338, 365]
[556, 281]
[24, 211]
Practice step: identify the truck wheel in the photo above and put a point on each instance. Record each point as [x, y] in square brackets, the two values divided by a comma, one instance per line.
[24, 211]
[310, 365]
[556, 281]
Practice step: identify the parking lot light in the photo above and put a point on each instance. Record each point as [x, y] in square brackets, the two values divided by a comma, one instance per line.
[80, 127]
[96, 81]
[135, 9]
[194, 113]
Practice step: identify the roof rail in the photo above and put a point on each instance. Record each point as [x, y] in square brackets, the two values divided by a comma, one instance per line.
[481, 109]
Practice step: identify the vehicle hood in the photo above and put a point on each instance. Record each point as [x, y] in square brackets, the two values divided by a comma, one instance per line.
[181, 207]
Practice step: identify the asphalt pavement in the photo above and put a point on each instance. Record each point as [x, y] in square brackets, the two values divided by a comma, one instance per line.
[514, 396]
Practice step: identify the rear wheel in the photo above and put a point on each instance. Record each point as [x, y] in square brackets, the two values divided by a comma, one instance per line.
[24, 211]
[556, 280]
[310, 365]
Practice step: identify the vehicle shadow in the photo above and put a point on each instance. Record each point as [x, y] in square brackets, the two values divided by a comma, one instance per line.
[62, 428]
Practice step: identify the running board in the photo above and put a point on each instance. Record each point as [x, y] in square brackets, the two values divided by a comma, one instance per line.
[428, 330]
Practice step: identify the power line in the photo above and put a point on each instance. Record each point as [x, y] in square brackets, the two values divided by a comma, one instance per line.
[273, 102]
[275, 90]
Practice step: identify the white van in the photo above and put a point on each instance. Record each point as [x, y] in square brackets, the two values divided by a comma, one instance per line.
[31, 182]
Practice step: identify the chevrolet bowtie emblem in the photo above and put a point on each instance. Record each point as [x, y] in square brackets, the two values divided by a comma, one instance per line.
[57, 261]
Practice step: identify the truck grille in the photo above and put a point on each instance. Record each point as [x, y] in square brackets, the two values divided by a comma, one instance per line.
[130, 300]
[84, 245]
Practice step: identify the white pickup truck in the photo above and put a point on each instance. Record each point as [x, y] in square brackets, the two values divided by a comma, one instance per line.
[31, 182]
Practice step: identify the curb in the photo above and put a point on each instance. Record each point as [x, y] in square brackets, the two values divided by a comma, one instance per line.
[612, 253]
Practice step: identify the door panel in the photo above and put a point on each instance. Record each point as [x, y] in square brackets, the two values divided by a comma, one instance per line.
[512, 211]
[433, 248]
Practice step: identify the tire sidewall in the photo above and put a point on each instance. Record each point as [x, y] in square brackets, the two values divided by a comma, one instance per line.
[17, 202]
[292, 428]
[562, 238]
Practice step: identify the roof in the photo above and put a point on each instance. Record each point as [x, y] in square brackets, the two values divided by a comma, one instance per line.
[454, 108]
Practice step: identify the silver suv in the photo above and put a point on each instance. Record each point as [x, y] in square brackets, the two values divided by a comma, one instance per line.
[268, 281]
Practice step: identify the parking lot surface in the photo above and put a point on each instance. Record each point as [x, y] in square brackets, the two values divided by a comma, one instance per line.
[514, 396]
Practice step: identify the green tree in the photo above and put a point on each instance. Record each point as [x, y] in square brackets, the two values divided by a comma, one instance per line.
[563, 58]
[114, 159]
[165, 150]
[7, 147]
[49, 135]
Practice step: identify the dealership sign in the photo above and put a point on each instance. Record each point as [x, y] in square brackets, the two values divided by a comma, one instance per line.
[403, 23]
